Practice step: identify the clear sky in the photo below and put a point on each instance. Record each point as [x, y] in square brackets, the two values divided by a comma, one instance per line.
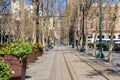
[26, 1]
[112, 1]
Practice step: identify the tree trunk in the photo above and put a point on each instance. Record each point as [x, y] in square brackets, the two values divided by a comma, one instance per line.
[24, 65]
[94, 45]
[34, 24]
[112, 31]
[86, 49]
[22, 33]
[111, 43]
[95, 38]
[86, 45]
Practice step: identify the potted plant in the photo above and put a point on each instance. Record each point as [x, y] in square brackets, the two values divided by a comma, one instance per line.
[32, 56]
[40, 47]
[35, 49]
[4, 49]
[21, 51]
[5, 71]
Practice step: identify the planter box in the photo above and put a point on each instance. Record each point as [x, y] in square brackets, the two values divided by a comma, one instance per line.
[15, 66]
[36, 54]
[40, 52]
[31, 58]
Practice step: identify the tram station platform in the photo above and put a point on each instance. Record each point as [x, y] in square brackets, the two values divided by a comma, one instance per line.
[66, 63]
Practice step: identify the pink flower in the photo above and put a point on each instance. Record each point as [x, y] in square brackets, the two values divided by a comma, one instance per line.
[3, 60]
[13, 72]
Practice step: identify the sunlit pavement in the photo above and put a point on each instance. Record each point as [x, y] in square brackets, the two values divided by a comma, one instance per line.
[80, 66]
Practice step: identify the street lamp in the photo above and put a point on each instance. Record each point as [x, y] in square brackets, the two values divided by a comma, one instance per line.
[83, 34]
[100, 53]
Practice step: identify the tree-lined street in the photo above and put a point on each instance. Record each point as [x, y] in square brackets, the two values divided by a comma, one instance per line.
[59, 39]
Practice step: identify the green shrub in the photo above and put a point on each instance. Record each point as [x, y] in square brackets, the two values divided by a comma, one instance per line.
[105, 46]
[20, 49]
[4, 50]
[38, 46]
[5, 72]
[35, 46]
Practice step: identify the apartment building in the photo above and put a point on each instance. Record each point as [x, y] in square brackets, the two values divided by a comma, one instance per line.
[15, 9]
[29, 8]
[106, 22]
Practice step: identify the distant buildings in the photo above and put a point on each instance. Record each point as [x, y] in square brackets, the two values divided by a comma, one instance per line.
[106, 22]
[15, 9]
[29, 8]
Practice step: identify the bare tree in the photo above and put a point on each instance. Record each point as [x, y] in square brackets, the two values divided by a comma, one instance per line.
[96, 24]
[112, 26]
[22, 19]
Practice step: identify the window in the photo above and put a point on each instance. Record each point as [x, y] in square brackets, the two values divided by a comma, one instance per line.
[103, 36]
[113, 37]
[98, 36]
[118, 36]
[90, 36]
[16, 9]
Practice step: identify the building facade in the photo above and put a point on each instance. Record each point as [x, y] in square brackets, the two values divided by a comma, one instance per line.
[108, 21]
[15, 9]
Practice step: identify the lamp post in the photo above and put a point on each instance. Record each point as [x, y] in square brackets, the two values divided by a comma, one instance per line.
[83, 34]
[100, 53]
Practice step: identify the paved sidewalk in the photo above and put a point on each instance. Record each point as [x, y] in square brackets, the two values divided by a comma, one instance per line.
[64, 63]
[59, 70]
[40, 70]
[51, 66]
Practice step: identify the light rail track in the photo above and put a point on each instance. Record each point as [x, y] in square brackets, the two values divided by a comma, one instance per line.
[90, 65]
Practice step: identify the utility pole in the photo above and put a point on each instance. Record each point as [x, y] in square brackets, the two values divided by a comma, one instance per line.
[100, 53]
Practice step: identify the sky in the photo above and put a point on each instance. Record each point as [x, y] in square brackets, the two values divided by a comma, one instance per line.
[26, 1]
[62, 1]
[60, 4]
[112, 1]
